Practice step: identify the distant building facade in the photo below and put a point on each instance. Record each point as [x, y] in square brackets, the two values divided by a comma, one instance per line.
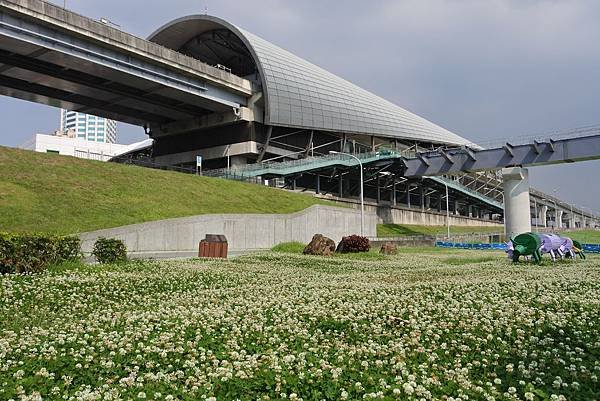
[68, 144]
[88, 127]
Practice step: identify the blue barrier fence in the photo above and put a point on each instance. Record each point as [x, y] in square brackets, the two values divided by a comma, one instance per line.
[591, 248]
[588, 248]
[466, 245]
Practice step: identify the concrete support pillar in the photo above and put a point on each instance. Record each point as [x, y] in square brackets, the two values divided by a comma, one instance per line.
[422, 193]
[427, 201]
[341, 186]
[237, 161]
[294, 184]
[559, 216]
[318, 185]
[408, 195]
[439, 206]
[372, 144]
[517, 213]
[543, 215]
[378, 189]
[394, 193]
[456, 206]
[470, 210]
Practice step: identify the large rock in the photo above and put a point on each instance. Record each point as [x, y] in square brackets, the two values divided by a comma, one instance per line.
[388, 248]
[320, 245]
[353, 243]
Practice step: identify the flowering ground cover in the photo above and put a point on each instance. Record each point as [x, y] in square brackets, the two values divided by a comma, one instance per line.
[443, 325]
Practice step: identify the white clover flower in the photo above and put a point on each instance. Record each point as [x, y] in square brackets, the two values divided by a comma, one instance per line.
[408, 389]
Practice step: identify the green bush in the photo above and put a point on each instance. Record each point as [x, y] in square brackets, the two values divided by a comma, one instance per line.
[109, 250]
[31, 253]
[68, 249]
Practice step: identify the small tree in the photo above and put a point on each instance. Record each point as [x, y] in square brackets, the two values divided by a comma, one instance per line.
[109, 250]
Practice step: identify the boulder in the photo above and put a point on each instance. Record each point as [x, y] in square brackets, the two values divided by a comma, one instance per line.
[388, 248]
[320, 245]
[353, 243]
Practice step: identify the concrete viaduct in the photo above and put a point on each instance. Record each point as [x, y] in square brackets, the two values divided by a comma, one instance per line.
[56, 57]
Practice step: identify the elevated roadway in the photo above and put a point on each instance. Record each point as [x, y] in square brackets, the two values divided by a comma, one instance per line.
[56, 57]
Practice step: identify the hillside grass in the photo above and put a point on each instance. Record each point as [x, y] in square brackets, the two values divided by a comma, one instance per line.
[61, 194]
[401, 230]
[584, 236]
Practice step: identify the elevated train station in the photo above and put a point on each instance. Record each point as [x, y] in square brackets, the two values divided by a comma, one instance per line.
[201, 86]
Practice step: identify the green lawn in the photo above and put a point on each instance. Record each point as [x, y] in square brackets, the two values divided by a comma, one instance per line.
[431, 325]
[47, 192]
[399, 230]
[584, 236]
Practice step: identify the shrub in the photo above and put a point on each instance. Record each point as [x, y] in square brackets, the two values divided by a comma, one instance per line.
[353, 243]
[68, 249]
[31, 253]
[109, 250]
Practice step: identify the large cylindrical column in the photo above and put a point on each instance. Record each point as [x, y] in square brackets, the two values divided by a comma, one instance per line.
[559, 218]
[544, 215]
[517, 214]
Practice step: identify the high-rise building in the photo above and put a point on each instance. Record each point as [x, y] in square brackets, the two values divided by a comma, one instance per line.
[88, 127]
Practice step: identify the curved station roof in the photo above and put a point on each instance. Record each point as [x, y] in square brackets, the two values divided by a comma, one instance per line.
[296, 93]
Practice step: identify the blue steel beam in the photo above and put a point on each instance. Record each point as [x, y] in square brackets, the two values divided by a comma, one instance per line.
[455, 161]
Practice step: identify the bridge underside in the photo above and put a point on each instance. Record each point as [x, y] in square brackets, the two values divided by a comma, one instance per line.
[44, 76]
[43, 64]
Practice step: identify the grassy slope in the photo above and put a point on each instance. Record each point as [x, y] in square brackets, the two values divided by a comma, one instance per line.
[47, 192]
[584, 236]
[399, 230]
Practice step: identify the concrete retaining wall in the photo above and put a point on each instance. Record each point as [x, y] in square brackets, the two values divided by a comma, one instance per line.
[398, 214]
[180, 236]
[411, 241]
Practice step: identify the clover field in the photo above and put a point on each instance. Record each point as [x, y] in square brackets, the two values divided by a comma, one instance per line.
[454, 325]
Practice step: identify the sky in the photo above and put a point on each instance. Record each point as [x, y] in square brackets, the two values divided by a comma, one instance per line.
[487, 70]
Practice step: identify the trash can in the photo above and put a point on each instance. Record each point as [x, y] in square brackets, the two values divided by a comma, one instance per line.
[213, 246]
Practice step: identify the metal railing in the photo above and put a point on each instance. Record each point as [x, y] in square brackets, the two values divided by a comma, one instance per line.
[305, 164]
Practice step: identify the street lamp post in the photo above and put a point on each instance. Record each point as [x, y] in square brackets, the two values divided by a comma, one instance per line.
[362, 201]
[447, 212]
[536, 211]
